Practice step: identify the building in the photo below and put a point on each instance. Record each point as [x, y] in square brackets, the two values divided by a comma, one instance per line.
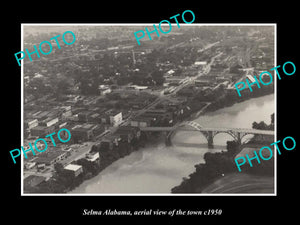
[90, 116]
[98, 129]
[40, 131]
[211, 76]
[62, 125]
[175, 80]
[142, 121]
[42, 115]
[48, 122]
[41, 167]
[109, 141]
[137, 103]
[86, 131]
[136, 87]
[154, 117]
[84, 116]
[74, 169]
[30, 123]
[82, 132]
[200, 63]
[28, 98]
[186, 91]
[115, 118]
[159, 114]
[127, 133]
[29, 152]
[50, 157]
[170, 72]
[93, 157]
[201, 83]
[103, 90]
[29, 165]
[73, 99]
[95, 117]
[66, 112]
[251, 78]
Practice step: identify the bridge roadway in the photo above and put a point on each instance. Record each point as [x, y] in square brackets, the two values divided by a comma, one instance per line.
[240, 130]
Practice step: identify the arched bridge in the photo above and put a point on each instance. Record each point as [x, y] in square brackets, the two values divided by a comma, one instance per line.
[208, 133]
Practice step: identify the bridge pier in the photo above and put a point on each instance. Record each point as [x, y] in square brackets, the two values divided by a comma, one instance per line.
[209, 133]
[239, 139]
[168, 141]
[210, 139]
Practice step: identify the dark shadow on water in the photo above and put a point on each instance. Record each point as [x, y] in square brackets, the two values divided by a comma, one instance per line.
[197, 145]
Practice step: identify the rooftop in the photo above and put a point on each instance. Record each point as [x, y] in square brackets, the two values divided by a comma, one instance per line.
[72, 167]
[200, 63]
[40, 128]
[83, 127]
[48, 156]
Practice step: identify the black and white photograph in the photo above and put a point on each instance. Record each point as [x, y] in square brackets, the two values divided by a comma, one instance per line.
[163, 117]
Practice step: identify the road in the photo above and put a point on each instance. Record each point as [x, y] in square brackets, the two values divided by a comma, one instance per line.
[206, 129]
[202, 50]
[78, 152]
[46, 174]
[209, 46]
[192, 79]
[201, 111]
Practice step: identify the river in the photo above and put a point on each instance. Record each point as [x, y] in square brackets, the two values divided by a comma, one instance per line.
[157, 168]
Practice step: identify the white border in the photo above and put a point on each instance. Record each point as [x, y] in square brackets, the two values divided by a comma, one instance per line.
[149, 24]
[22, 110]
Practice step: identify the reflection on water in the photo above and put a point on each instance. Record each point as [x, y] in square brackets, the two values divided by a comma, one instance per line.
[157, 169]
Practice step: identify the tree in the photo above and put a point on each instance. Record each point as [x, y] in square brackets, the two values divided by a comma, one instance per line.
[61, 86]
[235, 69]
[113, 96]
[254, 125]
[266, 79]
[88, 166]
[38, 88]
[95, 148]
[232, 147]
[260, 126]
[157, 76]
[59, 168]
[272, 119]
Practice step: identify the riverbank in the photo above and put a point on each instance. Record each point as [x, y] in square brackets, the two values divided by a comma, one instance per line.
[156, 168]
[216, 167]
[219, 172]
[62, 184]
[224, 98]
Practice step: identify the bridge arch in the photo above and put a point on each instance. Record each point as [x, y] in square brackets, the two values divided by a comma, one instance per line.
[209, 133]
[243, 135]
[231, 134]
[236, 135]
[196, 126]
